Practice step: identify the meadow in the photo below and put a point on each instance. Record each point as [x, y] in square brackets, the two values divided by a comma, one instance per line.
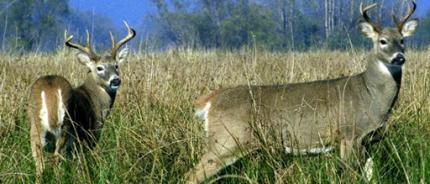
[152, 135]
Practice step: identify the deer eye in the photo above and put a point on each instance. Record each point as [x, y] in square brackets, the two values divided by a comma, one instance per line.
[100, 68]
[116, 67]
[383, 42]
[402, 41]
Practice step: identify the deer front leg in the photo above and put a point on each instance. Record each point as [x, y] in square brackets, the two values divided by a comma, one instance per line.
[347, 155]
[353, 156]
[36, 137]
[346, 151]
[368, 169]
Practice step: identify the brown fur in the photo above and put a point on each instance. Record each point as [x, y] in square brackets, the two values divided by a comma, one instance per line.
[50, 85]
[86, 109]
[306, 118]
[201, 101]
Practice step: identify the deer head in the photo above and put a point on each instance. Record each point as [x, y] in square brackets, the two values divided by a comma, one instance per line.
[104, 69]
[388, 43]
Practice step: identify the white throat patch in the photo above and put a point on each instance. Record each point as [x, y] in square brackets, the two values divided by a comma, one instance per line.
[383, 69]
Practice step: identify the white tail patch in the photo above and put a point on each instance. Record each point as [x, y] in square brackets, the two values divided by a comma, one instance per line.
[203, 115]
[61, 110]
[308, 151]
[368, 169]
[44, 112]
[44, 115]
[60, 114]
[44, 118]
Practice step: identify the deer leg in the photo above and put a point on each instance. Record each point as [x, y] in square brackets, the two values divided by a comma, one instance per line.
[368, 169]
[346, 150]
[208, 166]
[353, 156]
[347, 157]
[223, 150]
[59, 145]
[36, 138]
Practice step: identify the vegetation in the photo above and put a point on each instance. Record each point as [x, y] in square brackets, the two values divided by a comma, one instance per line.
[152, 136]
[272, 24]
[28, 25]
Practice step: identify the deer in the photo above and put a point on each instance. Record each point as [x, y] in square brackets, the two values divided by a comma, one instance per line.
[62, 116]
[347, 114]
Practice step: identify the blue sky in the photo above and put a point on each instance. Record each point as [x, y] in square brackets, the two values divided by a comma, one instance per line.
[118, 10]
[134, 10]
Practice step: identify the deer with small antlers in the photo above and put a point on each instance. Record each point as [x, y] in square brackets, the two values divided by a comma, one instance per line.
[309, 118]
[62, 116]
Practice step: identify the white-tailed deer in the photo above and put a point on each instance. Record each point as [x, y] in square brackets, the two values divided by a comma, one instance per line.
[312, 117]
[62, 116]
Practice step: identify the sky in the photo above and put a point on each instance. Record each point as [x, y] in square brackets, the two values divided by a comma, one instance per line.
[133, 11]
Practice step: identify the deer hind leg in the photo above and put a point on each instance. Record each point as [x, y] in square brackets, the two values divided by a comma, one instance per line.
[59, 132]
[59, 147]
[209, 165]
[37, 136]
[225, 146]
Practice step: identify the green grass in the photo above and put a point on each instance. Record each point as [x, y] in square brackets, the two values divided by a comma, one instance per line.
[152, 136]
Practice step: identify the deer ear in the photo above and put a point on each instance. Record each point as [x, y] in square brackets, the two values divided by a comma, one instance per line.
[368, 30]
[122, 55]
[85, 59]
[409, 27]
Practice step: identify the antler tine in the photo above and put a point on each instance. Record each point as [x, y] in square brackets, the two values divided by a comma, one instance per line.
[364, 10]
[86, 49]
[116, 46]
[112, 39]
[402, 22]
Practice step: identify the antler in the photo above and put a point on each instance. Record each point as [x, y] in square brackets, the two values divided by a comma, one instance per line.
[366, 17]
[116, 46]
[402, 22]
[86, 49]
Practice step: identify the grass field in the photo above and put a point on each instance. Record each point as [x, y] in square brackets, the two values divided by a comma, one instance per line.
[152, 136]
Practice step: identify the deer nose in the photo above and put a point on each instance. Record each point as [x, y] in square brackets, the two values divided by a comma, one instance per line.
[115, 82]
[399, 59]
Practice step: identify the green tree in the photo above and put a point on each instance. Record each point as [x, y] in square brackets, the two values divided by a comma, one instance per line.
[35, 24]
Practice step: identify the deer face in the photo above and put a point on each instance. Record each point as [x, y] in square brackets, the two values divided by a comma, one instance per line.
[105, 71]
[388, 43]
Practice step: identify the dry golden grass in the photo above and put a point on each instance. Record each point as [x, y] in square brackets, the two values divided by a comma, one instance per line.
[152, 136]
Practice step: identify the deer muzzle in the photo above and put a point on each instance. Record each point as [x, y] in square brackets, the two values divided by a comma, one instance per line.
[399, 59]
[115, 83]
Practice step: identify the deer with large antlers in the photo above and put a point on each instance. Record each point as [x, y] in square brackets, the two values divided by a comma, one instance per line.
[308, 118]
[62, 116]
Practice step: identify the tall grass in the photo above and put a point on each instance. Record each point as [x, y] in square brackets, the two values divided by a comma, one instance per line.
[152, 137]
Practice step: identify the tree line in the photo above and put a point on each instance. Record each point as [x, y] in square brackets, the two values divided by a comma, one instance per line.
[273, 24]
[38, 25]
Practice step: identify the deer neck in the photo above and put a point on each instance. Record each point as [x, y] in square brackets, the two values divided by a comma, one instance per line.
[383, 83]
[100, 98]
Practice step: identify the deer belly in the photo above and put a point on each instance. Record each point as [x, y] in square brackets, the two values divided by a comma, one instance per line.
[308, 151]
[308, 142]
